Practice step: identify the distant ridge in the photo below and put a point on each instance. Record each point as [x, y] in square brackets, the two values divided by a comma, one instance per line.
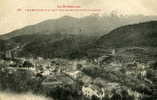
[90, 25]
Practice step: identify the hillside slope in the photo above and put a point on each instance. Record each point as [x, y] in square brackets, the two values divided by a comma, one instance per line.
[50, 45]
[143, 35]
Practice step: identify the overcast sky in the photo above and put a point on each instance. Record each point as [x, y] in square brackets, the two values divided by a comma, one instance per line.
[11, 19]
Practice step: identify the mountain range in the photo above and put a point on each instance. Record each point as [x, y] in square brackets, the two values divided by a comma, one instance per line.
[69, 37]
[92, 25]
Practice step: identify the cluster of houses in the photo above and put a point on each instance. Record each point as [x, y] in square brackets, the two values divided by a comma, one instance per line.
[56, 70]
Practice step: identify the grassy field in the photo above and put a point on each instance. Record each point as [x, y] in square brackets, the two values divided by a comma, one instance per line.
[26, 96]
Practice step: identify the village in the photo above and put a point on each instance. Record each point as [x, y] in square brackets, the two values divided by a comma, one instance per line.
[60, 72]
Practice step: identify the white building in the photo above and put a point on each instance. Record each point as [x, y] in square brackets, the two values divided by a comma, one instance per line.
[92, 90]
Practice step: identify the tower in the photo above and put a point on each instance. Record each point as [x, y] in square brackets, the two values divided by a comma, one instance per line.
[113, 52]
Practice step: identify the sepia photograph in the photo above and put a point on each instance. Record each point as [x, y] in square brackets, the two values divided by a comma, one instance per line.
[78, 50]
